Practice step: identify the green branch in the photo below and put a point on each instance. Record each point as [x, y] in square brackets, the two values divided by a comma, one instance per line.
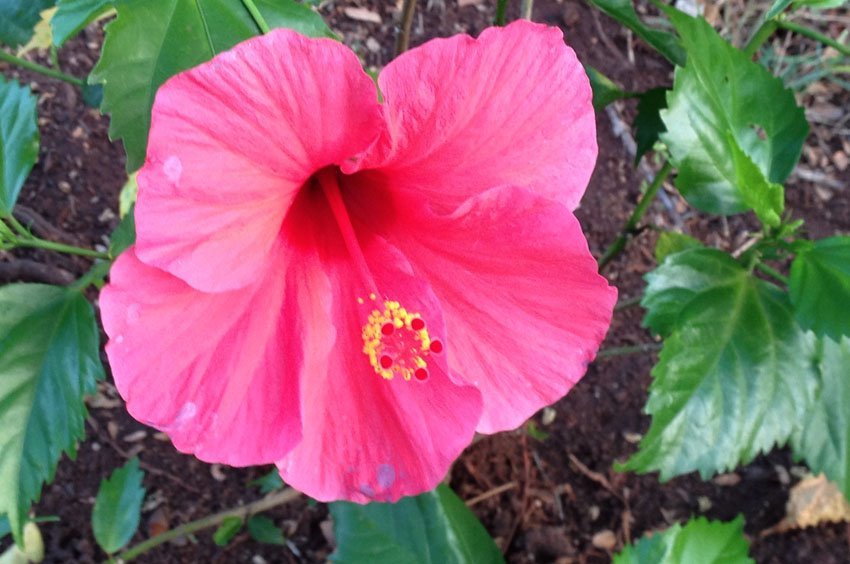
[243, 511]
[633, 349]
[402, 42]
[255, 13]
[631, 224]
[501, 8]
[814, 34]
[46, 71]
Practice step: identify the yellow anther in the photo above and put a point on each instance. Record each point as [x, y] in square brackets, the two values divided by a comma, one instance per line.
[396, 342]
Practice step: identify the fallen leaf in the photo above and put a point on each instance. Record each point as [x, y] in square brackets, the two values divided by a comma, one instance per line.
[814, 500]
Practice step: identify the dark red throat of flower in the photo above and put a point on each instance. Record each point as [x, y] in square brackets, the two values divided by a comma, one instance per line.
[396, 341]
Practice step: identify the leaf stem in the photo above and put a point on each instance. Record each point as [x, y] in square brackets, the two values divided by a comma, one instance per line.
[36, 243]
[814, 34]
[772, 272]
[631, 224]
[761, 35]
[632, 349]
[402, 42]
[96, 275]
[501, 9]
[255, 13]
[46, 71]
[242, 511]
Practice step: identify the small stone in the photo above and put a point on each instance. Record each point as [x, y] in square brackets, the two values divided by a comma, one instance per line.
[363, 15]
[217, 473]
[593, 512]
[841, 160]
[106, 216]
[782, 475]
[605, 539]
[726, 480]
[95, 447]
[703, 503]
[136, 437]
[825, 194]
[548, 416]
[78, 132]
[372, 45]
[112, 429]
[64, 187]
[633, 438]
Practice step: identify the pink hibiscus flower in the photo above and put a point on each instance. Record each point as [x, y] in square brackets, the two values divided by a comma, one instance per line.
[350, 289]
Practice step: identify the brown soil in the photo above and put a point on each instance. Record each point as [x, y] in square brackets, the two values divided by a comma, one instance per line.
[565, 490]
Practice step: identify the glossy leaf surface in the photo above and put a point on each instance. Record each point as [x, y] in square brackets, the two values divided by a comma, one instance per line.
[18, 140]
[49, 359]
[434, 527]
[717, 114]
[820, 287]
[699, 541]
[73, 15]
[824, 442]
[735, 378]
[118, 507]
[18, 19]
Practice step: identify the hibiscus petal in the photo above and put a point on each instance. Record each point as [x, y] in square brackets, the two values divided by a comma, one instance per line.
[367, 438]
[465, 115]
[218, 372]
[525, 309]
[231, 142]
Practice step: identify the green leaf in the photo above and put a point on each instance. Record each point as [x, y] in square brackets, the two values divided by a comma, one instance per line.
[648, 124]
[717, 110]
[820, 287]
[129, 193]
[672, 242]
[779, 6]
[269, 482]
[434, 527]
[604, 89]
[18, 140]
[227, 530]
[49, 359]
[824, 441]
[5, 528]
[18, 19]
[700, 541]
[118, 507]
[735, 378]
[73, 15]
[624, 12]
[682, 277]
[153, 40]
[263, 529]
[765, 198]
[124, 234]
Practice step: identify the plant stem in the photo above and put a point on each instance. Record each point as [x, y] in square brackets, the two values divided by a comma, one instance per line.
[643, 204]
[46, 71]
[633, 349]
[627, 303]
[526, 7]
[814, 34]
[255, 13]
[96, 275]
[501, 8]
[772, 272]
[761, 35]
[36, 243]
[272, 500]
[402, 42]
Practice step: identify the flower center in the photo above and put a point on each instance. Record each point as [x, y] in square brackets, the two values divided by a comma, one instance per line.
[397, 342]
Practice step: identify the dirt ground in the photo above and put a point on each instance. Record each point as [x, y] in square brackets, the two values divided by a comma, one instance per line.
[560, 499]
